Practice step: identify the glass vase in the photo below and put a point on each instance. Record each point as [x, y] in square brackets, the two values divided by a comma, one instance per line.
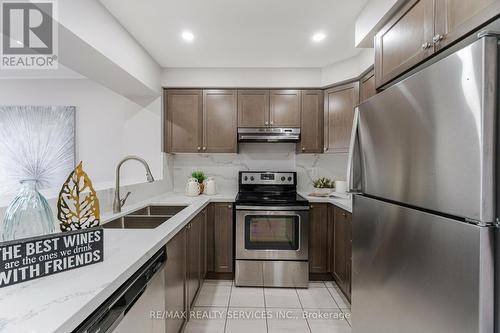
[28, 215]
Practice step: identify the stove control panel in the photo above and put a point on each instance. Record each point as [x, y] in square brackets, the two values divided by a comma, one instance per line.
[267, 178]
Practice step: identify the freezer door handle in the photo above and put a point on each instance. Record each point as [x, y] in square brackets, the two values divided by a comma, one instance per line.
[354, 160]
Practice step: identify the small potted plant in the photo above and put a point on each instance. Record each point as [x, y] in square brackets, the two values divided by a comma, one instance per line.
[323, 186]
[200, 177]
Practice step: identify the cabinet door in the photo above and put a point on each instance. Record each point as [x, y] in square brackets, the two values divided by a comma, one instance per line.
[253, 108]
[285, 108]
[404, 41]
[367, 87]
[318, 238]
[331, 237]
[311, 128]
[339, 113]
[220, 121]
[340, 246]
[348, 221]
[193, 261]
[203, 243]
[175, 276]
[223, 237]
[184, 120]
[456, 18]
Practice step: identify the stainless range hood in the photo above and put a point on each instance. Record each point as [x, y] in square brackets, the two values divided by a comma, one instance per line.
[268, 134]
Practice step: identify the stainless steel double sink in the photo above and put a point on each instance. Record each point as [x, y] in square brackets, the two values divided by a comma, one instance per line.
[148, 217]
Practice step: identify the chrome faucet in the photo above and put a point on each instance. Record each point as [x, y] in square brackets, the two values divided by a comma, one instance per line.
[119, 202]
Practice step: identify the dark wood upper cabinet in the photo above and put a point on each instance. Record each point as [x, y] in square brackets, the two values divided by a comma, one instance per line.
[423, 27]
[253, 108]
[367, 86]
[338, 117]
[311, 128]
[220, 121]
[455, 18]
[184, 115]
[318, 238]
[220, 238]
[404, 41]
[284, 108]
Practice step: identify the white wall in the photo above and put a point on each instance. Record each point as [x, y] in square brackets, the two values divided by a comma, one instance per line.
[268, 77]
[108, 126]
[347, 69]
[241, 77]
[92, 22]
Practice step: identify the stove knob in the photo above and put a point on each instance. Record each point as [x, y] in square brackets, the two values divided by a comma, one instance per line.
[251, 178]
[289, 179]
[283, 179]
[246, 178]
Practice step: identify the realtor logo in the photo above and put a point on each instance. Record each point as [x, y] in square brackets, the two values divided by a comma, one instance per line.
[29, 35]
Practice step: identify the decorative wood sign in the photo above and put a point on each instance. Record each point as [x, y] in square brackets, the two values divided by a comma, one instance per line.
[31, 258]
[78, 205]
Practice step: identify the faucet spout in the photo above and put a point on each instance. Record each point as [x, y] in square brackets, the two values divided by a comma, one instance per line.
[118, 202]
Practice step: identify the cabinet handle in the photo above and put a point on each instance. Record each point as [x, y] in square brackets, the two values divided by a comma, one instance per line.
[199, 148]
[437, 38]
[312, 206]
[303, 148]
[426, 46]
[344, 214]
[325, 149]
[204, 148]
[267, 123]
[272, 122]
[229, 206]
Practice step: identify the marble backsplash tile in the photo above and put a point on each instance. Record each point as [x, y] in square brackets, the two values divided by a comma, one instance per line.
[261, 157]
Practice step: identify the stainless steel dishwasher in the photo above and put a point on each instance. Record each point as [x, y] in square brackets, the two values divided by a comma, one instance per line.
[128, 309]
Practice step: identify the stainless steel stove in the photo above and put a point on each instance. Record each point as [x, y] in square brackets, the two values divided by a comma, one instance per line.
[271, 231]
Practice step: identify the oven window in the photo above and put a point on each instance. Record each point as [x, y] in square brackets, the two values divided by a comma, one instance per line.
[268, 232]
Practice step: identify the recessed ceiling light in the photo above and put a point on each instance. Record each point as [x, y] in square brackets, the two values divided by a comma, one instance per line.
[318, 37]
[187, 36]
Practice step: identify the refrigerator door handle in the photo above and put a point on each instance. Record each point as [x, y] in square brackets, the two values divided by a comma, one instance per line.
[354, 160]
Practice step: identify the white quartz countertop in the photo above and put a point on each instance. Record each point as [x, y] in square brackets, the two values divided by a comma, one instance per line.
[60, 302]
[343, 201]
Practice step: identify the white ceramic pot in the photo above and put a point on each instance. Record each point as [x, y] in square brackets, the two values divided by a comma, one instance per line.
[192, 187]
[210, 186]
[340, 186]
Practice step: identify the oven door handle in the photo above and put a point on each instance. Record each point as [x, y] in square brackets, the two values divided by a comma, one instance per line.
[273, 208]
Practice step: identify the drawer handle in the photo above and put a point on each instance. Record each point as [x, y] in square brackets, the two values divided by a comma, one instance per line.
[437, 38]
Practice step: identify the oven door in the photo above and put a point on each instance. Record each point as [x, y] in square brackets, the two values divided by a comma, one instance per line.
[272, 234]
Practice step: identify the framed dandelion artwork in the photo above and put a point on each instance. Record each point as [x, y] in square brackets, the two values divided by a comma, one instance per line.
[36, 142]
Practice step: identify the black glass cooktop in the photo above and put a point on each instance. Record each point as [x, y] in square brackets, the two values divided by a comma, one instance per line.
[270, 199]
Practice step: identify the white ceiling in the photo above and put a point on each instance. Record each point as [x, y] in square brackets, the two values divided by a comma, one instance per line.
[241, 33]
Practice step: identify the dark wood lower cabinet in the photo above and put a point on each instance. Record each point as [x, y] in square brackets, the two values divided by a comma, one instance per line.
[318, 238]
[220, 240]
[184, 271]
[342, 249]
[193, 250]
[330, 245]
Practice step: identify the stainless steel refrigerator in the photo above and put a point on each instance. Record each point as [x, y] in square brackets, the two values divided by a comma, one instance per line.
[423, 167]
